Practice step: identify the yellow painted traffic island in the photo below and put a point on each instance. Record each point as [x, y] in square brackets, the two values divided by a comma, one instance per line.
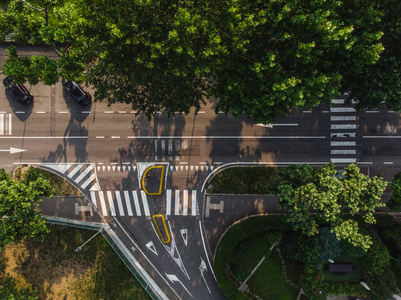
[152, 180]
[161, 228]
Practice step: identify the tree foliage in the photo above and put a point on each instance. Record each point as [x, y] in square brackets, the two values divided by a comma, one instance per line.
[394, 203]
[18, 219]
[314, 196]
[259, 57]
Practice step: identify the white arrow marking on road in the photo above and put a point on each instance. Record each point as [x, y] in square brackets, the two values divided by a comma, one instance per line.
[203, 268]
[267, 125]
[174, 278]
[184, 234]
[151, 247]
[13, 150]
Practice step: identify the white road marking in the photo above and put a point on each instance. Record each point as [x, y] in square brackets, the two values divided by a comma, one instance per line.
[111, 203]
[136, 204]
[145, 203]
[75, 170]
[252, 137]
[168, 202]
[343, 160]
[183, 162]
[128, 203]
[103, 203]
[382, 137]
[343, 126]
[307, 111]
[100, 137]
[86, 111]
[343, 134]
[20, 112]
[342, 109]
[151, 247]
[201, 112]
[1, 124]
[83, 174]
[194, 203]
[89, 180]
[120, 204]
[341, 152]
[9, 124]
[387, 163]
[342, 144]
[108, 112]
[184, 235]
[177, 203]
[372, 111]
[63, 112]
[185, 203]
[170, 147]
[93, 198]
[204, 248]
[343, 118]
[41, 112]
[115, 137]
[338, 101]
[122, 112]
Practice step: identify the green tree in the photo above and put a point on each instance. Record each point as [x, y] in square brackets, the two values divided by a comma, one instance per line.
[325, 197]
[259, 57]
[18, 219]
[394, 203]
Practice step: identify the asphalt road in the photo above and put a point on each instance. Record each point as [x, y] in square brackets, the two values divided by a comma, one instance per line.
[104, 151]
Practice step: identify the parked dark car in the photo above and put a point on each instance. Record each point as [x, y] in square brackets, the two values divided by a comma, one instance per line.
[19, 91]
[78, 92]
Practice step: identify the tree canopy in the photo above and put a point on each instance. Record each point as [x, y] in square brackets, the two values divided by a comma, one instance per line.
[315, 197]
[262, 58]
[18, 219]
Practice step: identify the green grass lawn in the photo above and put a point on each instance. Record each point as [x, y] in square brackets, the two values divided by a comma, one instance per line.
[268, 281]
[246, 180]
[57, 272]
[354, 276]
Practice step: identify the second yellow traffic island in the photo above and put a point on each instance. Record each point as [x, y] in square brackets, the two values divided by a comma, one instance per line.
[152, 179]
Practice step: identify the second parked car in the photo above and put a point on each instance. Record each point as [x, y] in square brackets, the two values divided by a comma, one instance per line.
[78, 92]
[19, 91]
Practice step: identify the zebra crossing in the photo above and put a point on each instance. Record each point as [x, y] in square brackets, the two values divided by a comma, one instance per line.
[129, 167]
[135, 203]
[6, 124]
[342, 127]
[83, 175]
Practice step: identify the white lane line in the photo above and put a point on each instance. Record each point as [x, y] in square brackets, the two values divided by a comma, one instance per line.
[342, 144]
[63, 112]
[183, 162]
[132, 112]
[145, 203]
[343, 160]
[115, 137]
[93, 198]
[136, 204]
[86, 111]
[90, 179]
[155, 150]
[111, 203]
[128, 203]
[41, 112]
[307, 111]
[120, 204]
[253, 137]
[2, 112]
[388, 163]
[342, 109]
[221, 112]
[1, 124]
[343, 134]
[185, 203]
[74, 171]
[168, 202]
[391, 111]
[44, 137]
[194, 203]
[201, 112]
[289, 124]
[343, 118]
[325, 111]
[108, 112]
[20, 112]
[342, 152]
[177, 203]
[382, 137]
[9, 124]
[103, 204]
[372, 111]
[100, 137]
[83, 174]
[338, 101]
[122, 112]
[343, 126]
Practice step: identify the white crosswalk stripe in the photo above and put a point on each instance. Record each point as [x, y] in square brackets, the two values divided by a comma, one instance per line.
[6, 124]
[122, 203]
[83, 175]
